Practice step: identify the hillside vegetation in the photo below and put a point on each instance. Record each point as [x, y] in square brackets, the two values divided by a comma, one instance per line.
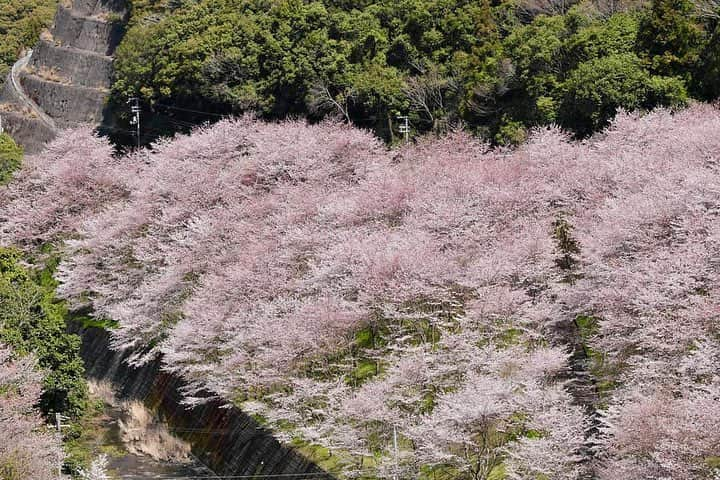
[20, 25]
[498, 66]
[27, 448]
[549, 312]
[10, 158]
[33, 322]
[41, 372]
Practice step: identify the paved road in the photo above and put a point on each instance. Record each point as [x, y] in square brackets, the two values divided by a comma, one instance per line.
[27, 101]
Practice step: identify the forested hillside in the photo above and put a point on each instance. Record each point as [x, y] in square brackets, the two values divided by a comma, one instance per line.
[21, 23]
[547, 313]
[497, 66]
[41, 372]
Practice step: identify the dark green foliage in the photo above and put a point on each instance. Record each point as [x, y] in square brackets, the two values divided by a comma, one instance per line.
[670, 39]
[596, 39]
[290, 57]
[566, 244]
[597, 88]
[10, 158]
[511, 132]
[32, 320]
[708, 76]
[442, 62]
[577, 71]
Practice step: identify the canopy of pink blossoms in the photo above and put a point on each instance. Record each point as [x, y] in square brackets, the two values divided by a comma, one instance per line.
[544, 312]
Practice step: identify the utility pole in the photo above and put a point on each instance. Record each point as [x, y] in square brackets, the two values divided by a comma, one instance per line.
[405, 127]
[58, 422]
[59, 418]
[135, 119]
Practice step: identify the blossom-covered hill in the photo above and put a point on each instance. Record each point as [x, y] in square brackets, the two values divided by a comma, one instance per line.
[549, 312]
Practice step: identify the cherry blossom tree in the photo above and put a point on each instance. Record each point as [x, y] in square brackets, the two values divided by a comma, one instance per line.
[27, 448]
[438, 306]
[97, 469]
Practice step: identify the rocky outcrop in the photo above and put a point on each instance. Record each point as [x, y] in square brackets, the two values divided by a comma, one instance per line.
[67, 78]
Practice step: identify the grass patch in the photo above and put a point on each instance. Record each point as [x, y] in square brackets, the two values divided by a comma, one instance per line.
[602, 370]
[333, 462]
[88, 437]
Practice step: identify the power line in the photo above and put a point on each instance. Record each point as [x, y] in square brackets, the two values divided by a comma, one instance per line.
[178, 122]
[191, 110]
[105, 126]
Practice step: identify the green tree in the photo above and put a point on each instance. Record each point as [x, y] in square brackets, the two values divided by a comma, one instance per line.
[274, 58]
[439, 61]
[707, 79]
[380, 97]
[596, 89]
[616, 35]
[32, 320]
[20, 25]
[10, 157]
[528, 81]
[670, 38]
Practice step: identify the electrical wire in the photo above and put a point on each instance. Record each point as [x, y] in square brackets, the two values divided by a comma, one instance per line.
[191, 110]
[178, 122]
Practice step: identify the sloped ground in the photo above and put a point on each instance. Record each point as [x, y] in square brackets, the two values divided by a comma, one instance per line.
[439, 294]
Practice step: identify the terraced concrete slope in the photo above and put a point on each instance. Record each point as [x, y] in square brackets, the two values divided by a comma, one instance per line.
[66, 79]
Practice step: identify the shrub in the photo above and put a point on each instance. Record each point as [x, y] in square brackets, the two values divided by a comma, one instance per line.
[20, 25]
[598, 88]
[10, 158]
[32, 321]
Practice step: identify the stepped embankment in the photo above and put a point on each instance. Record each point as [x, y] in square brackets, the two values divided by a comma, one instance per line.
[98, 32]
[72, 65]
[68, 104]
[65, 81]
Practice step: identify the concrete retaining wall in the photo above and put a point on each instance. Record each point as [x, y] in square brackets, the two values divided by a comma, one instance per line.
[73, 29]
[69, 75]
[9, 95]
[78, 67]
[224, 438]
[27, 131]
[67, 104]
[100, 7]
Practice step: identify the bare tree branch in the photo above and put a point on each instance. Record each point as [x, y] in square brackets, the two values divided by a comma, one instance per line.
[323, 101]
[427, 92]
